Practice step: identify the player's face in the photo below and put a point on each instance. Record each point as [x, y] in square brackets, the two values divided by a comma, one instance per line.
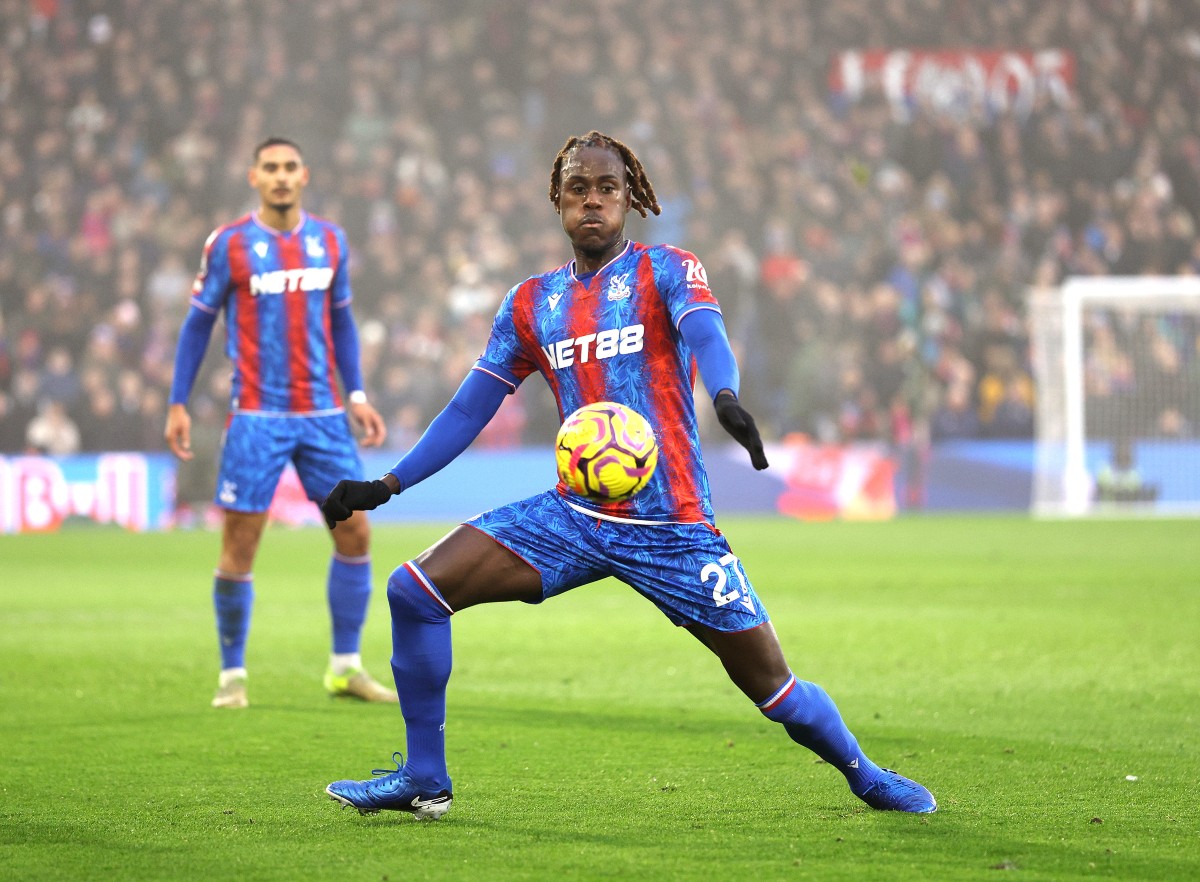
[593, 200]
[280, 175]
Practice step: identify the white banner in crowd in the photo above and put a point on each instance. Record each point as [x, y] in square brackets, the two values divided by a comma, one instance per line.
[131, 490]
[952, 82]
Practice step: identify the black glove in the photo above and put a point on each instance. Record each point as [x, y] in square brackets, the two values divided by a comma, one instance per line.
[351, 496]
[738, 423]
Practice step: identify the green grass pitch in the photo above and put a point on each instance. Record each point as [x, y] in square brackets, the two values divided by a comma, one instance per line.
[1042, 678]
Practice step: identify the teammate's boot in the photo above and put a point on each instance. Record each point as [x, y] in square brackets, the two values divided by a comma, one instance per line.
[891, 791]
[231, 692]
[392, 791]
[357, 683]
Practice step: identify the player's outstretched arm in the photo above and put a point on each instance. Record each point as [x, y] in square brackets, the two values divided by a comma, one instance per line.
[450, 433]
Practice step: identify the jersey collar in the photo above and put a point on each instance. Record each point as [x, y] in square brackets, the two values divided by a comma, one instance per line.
[274, 232]
[620, 254]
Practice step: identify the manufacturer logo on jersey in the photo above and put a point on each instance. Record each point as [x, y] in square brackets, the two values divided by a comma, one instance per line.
[695, 272]
[553, 299]
[260, 248]
[228, 492]
[617, 288]
[605, 344]
[309, 278]
[313, 246]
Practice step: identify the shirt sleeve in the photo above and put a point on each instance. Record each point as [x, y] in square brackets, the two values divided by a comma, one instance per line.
[453, 430]
[682, 282]
[346, 349]
[189, 353]
[703, 331]
[211, 285]
[506, 347]
[340, 293]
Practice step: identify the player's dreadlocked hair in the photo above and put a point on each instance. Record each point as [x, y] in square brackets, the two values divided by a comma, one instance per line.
[639, 185]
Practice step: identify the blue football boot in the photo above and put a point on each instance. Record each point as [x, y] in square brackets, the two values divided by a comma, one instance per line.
[393, 791]
[891, 791]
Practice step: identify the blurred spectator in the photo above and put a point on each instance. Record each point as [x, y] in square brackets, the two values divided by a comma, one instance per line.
[1158, 366]
[52, 432]
[58, 380]
[1013, 415]
[13, 420]
[954, 417]
[782, 275]
[1005, 394]
[104, 427]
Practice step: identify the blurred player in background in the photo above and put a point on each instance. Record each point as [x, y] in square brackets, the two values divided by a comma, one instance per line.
[280, 275]
[621, 322]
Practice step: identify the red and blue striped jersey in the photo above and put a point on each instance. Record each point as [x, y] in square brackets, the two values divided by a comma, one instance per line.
[277, 290]
[615, 337]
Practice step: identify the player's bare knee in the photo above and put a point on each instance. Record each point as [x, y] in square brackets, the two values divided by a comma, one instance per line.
[241, 534]
[235, 564]
[352, 537]
[238, 551]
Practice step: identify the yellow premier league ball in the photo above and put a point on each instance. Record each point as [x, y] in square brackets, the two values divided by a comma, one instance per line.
[606, 451]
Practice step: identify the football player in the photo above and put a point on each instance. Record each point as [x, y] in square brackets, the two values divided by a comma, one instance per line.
[280, 276]
[621, 322]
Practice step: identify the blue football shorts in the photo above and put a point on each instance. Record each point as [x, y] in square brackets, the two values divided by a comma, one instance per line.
[257, 448]
[686, 570]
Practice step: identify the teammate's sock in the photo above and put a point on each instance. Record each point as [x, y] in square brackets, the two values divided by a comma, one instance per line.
[229, 675]
[233, 598]
[344, 662]
[812, 720]
[421, 662]
[348, 589]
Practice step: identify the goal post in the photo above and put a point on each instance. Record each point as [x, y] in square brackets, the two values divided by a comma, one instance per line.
[1116, 362]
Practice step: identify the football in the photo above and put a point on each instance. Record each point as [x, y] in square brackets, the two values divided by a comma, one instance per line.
[606, 451]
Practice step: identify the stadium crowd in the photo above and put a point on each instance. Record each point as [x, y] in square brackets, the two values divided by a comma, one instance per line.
[872, 259]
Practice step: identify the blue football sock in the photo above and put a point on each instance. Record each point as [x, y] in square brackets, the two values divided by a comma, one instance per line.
[812, 720]
[421, 662]
[233, 597]
[348, 589]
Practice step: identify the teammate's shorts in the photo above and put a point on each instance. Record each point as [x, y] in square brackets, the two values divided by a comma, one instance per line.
[257, 448]
[686, 570]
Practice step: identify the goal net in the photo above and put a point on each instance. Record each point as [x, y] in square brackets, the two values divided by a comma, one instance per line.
[1116, 362]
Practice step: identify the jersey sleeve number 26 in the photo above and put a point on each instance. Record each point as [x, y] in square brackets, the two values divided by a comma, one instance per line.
[719, 572]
